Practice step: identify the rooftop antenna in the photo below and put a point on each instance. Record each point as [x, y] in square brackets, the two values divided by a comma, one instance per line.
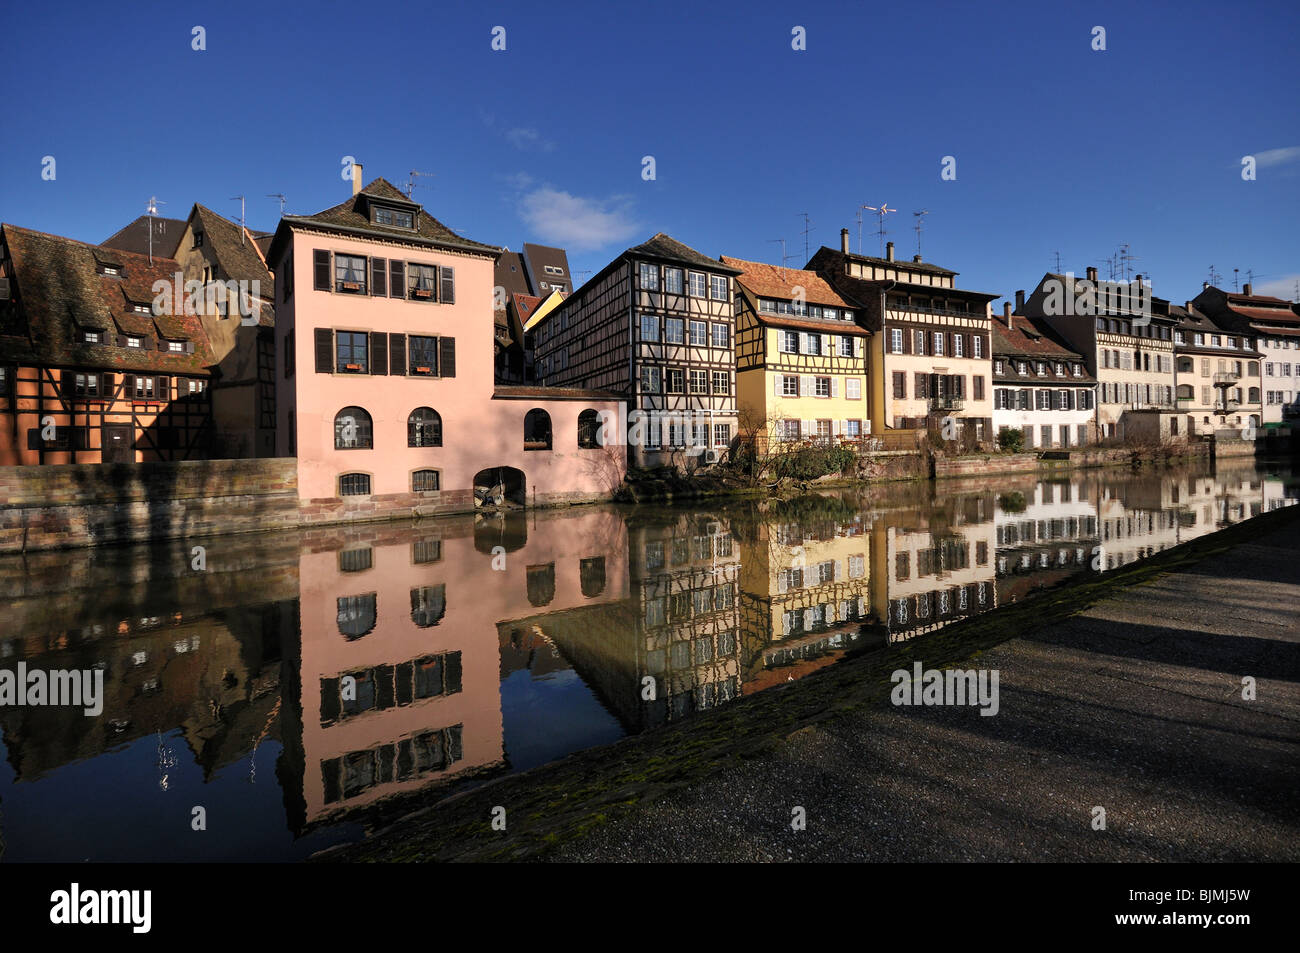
[881, 212]
[807, 228]
[1234, 280]
[1058, 262]
[581, 273]
[1125, 259]
[411, 183]
[784, 256]
[151, 210]
[280, 196]
[1215, 277]
[920, 218]
[241, 216]
[860, 208]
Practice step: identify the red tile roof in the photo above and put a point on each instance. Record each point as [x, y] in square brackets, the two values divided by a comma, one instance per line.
[60, 292]
[773, 281]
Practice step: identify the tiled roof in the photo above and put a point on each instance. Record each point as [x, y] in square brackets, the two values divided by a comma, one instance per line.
[239, 260]
[167, 234]
[520, 391]
[1031, 338]
[903, 264]
[353, 216]
[774, 281]
[510, 273]
[666, 248]
[60, 293]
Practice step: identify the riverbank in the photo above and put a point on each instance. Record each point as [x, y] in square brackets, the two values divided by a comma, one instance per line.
[1101, 706]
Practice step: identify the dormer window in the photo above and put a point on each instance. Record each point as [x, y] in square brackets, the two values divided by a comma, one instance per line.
[90, 337]
[176, 347]
[111, 270]
[198, 239]
[141, 309]
[393, 217]
[134, 342]
[553, 270]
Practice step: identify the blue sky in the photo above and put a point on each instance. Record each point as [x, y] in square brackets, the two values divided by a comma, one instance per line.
[1058, 147]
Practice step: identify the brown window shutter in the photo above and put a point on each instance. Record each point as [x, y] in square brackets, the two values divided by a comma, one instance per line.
[378, 352]
[106, 386]
[922, 388]
[67, 384]
[324, 351]
[446, 357]
[447, 291]
[397, 286]
[321, 259]
[379, 276]
[397, 354]
[128, 386]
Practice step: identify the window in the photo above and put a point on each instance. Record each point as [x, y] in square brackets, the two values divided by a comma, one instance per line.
[428, 606]
[977, 346]
[537, 430]
[853, 428]
[722, 382]
[673, 281]
[176, 347]
[674, 381]
[959, 345]
[721, 335]
[674, 331]
[356, 614]
[424, 428]
[812, 343]
[591, 575]
[144, 387]
[649, 327]
[649, 276]
[718, 286]
[846, 346]
[822, 386]
[350, 274]
[789, 342]
[132, 341]
[699, 333]
[789, 430]
[422, 355]
[979, 385]
[426, 481]
[900, 385]
[697, 284]
[4, 381]
[355, 484]
[789, 385]
[896, 341]
[356, 560]
[589, 429]
[938, 344]
[919, 342]
[853, 388]
[393, 217]
[721, 435]
[699, 382]
[353, 352]
[421, 282]
[353, 430]
[649, 380]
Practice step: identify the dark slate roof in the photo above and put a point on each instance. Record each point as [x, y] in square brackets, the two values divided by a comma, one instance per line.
[59, 293]
[524, 391]
[167, 234]
[666, 248]
[239, 260]
[510, 274]
[923, 266]
[1031, 338]
[352, 216]
[538, 257]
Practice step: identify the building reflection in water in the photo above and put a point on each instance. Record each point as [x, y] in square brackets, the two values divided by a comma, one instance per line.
[386, 664]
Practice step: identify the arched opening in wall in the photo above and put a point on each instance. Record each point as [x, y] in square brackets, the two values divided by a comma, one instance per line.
[537, 430]
[428, 605]
[357, 615]
[353, 429]
[541, 584]
[500, 486]
[507, 531]
[588, 430]
[591, 574]
[424, 428]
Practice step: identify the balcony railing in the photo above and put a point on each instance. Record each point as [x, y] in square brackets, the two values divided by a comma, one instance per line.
[947, 403]
[1227, 377]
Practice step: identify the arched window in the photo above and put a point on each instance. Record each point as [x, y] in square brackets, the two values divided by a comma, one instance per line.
[1185, 392]
[540, 581]
[425, 481]
[353, 430]
[588, 429]
[591, 573]
[537, 430]
[424, 428]
[428, 605]
[357, 615]
[1254, 395]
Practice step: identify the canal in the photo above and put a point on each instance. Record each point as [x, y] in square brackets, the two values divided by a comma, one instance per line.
[284, 693]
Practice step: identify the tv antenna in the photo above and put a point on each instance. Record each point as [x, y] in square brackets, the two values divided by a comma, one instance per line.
[807, 229]
[280, 196]
[411, 183]
[1125, 258]
[881, 212]
[1234, 280]
[1215, 277]
[240, 199]
[151, 210]
[1058, 262]
[860, 208]
[920, 218]
[784, 256]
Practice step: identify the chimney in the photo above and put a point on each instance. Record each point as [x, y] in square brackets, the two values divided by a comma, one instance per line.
[844, 240]
[1092, 273]
[356, 178]
[1188, 306]
[916, 259]
[1138, 279]
[1020, 301]
[1245, 289]
[1006, 313]
[1204, 285]
[889, 251]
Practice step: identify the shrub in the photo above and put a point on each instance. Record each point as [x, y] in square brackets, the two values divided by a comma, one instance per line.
[1011, 439]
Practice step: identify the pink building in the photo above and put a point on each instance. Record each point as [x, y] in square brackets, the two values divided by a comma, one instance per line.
[384, 327]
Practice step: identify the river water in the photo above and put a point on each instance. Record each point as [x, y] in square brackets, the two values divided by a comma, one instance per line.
[304, 686]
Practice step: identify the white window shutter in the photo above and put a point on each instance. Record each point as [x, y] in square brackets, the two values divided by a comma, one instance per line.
[803, 342]
[835, 387]
[782, 582]
[806, 388]
[777, 382]
[839, 569]
[835, 427]
[857, 347]
[808, 429]
[826, 343]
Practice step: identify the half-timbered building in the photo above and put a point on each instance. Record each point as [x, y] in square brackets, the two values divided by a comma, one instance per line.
[800, 357]
[91, 370]
[656, 326]
[929, 353]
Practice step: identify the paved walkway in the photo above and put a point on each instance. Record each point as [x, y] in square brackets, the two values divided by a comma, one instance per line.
[1134, 705]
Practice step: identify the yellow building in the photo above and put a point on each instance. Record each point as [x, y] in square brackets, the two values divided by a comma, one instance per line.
[800, 357]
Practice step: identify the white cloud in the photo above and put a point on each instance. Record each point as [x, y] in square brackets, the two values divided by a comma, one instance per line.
[1282, 287]
[577, 223]
[527, 138]
[1277, 156]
